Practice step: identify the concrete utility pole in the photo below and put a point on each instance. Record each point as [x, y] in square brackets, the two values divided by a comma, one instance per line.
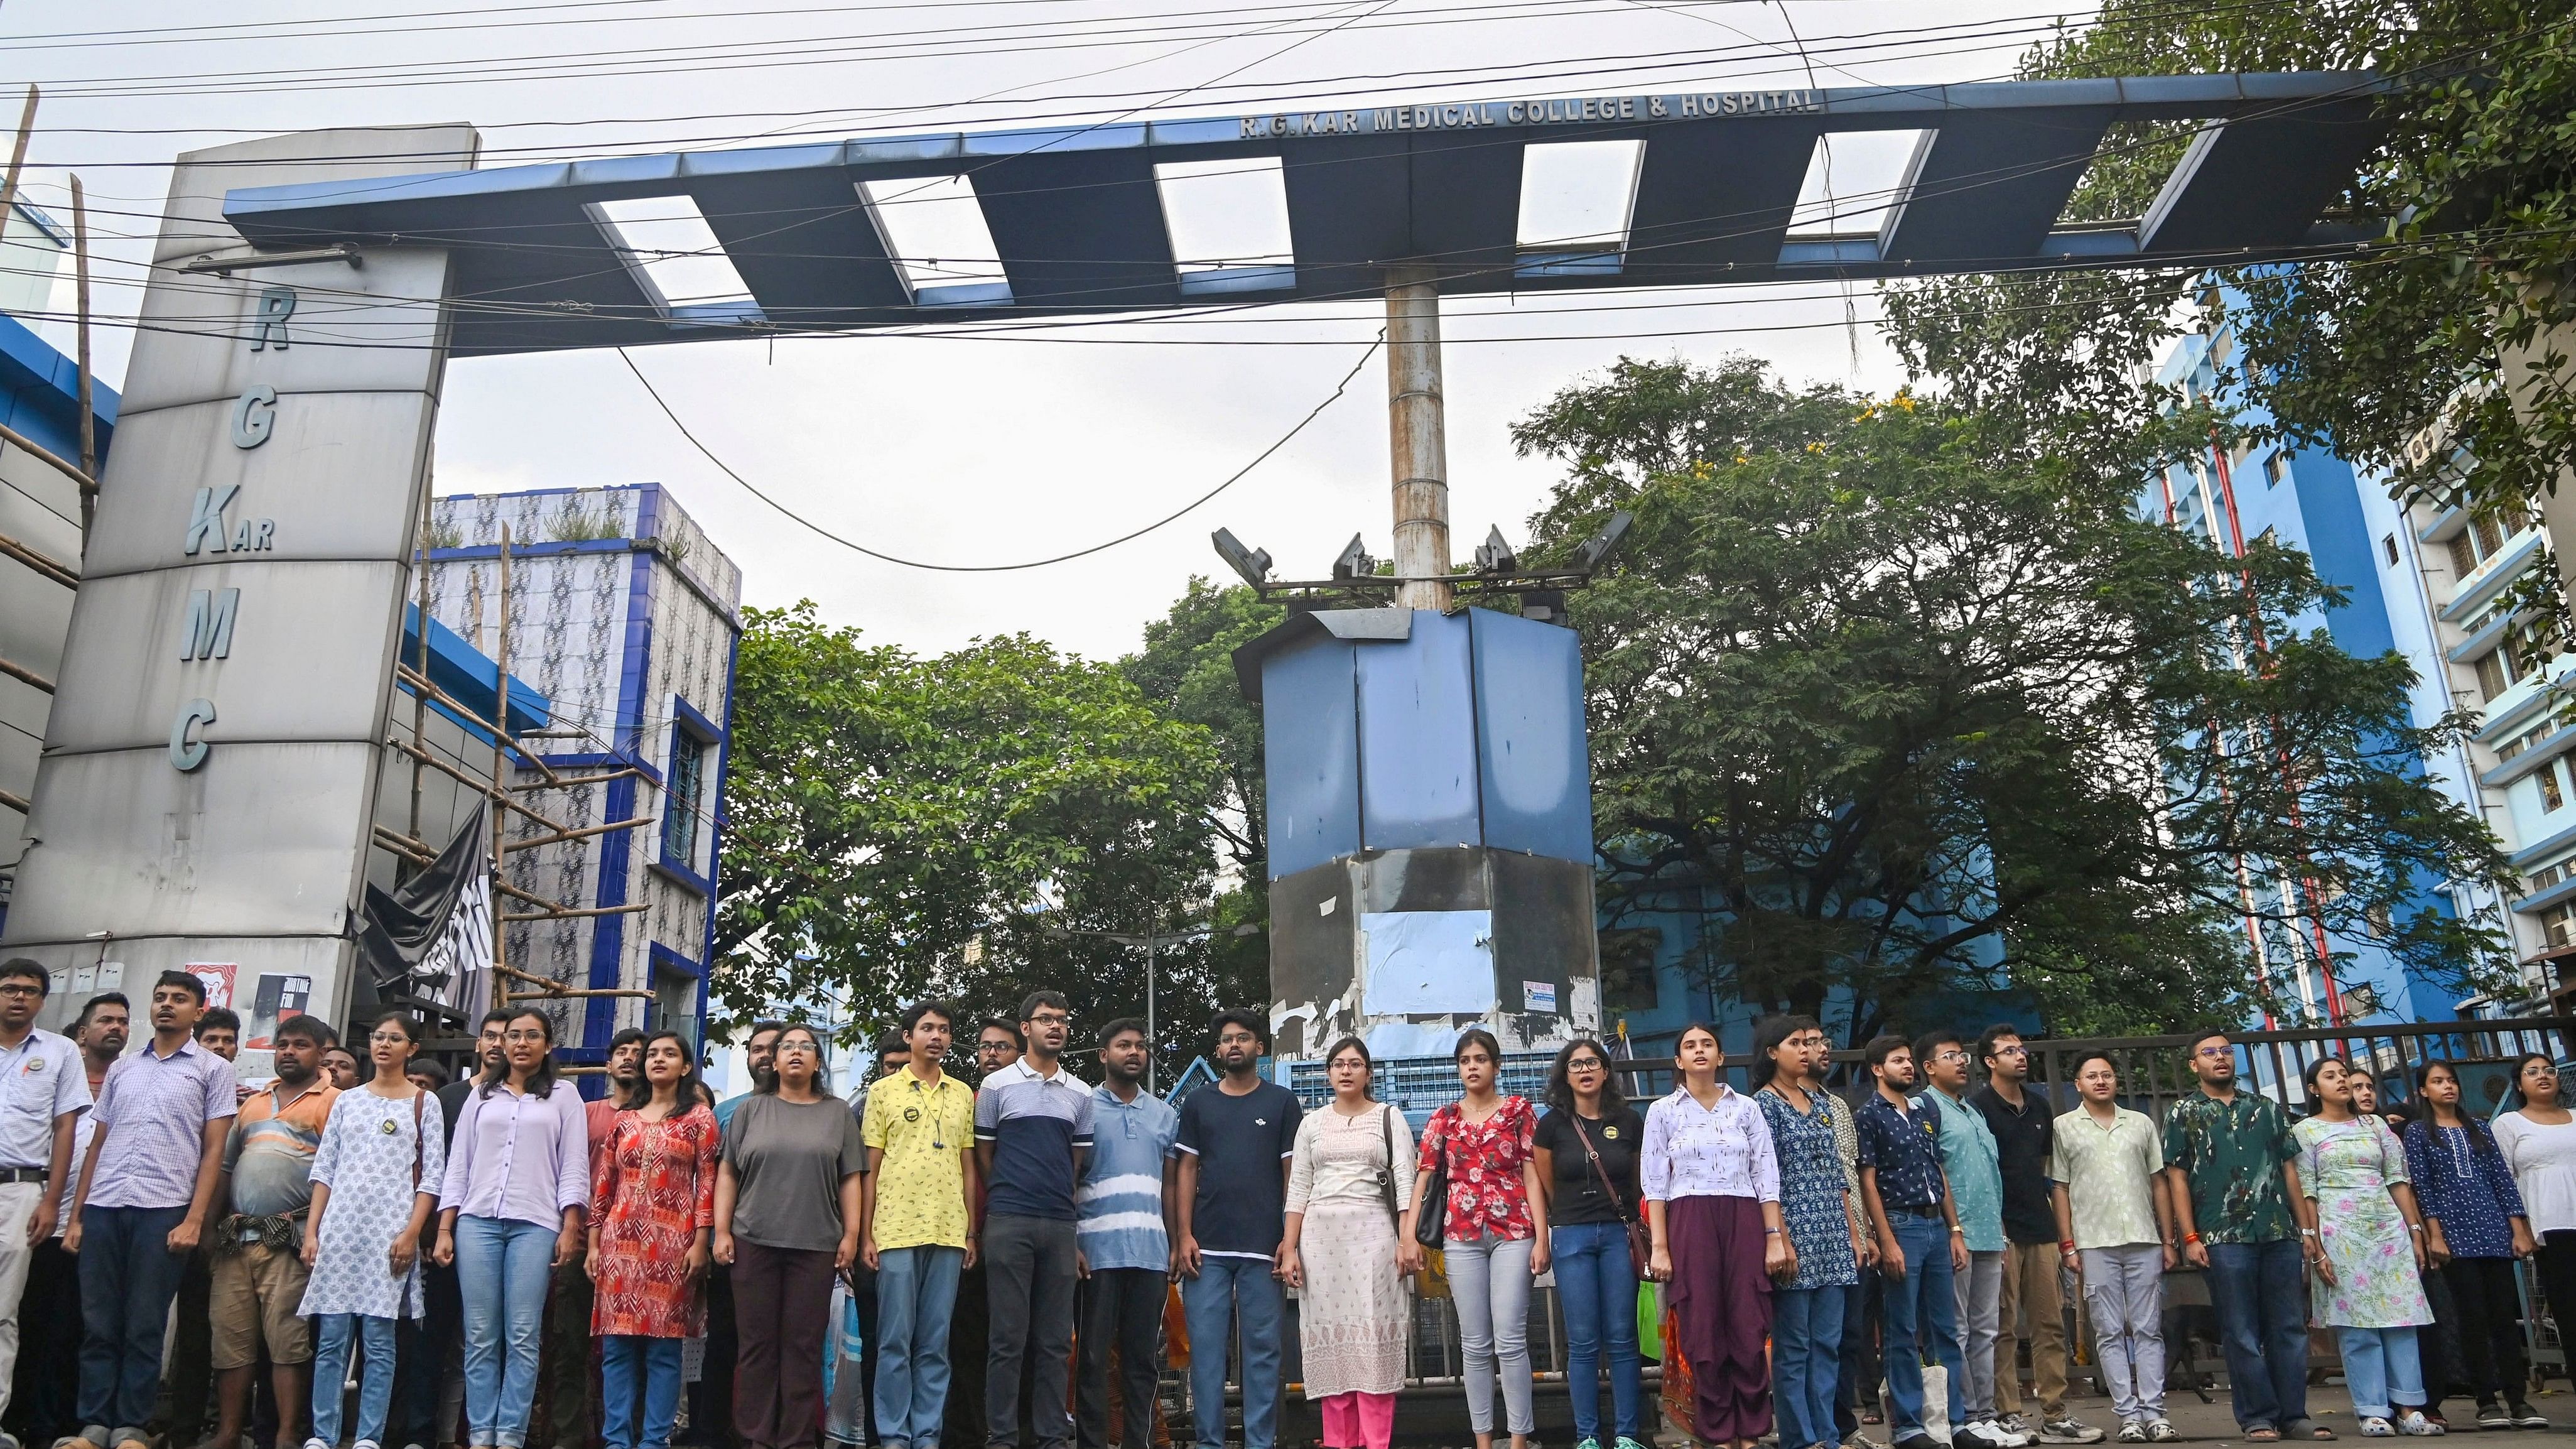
[1419, 441]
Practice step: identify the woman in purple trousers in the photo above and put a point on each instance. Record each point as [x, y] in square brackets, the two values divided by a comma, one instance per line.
[1712, 1189]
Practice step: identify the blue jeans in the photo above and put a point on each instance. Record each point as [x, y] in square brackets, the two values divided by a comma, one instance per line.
[2382, 1367]
[128, 1275]
[503, 1269]
[916, 1288]
[1806, 1350]
[1228, 1292]
[622, 1356]
[1921, 1307]
[2261, 1293]
[1597, 1288]
[331, 1374]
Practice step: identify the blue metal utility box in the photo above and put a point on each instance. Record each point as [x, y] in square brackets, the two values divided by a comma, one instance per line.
[1430, 826]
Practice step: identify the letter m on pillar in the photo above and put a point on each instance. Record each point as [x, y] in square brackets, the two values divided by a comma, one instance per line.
[207, 632]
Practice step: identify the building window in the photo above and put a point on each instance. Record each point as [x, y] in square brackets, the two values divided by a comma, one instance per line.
[2484, 538]
[682, 796]
[2551, 797]
[2389, 542]
[2558, 925]
[2276, 468]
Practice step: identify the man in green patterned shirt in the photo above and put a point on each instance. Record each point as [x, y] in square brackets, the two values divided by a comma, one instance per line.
[2230, 1164]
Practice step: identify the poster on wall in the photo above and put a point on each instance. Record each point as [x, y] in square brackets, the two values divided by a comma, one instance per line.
[279, 998]
[218, 979]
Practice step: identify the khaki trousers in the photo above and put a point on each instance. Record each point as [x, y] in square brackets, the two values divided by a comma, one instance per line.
[2030, 1295]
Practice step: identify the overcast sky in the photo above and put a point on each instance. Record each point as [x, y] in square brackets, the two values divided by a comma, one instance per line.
[969, 450]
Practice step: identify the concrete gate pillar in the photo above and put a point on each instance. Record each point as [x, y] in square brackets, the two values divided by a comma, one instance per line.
[209, 774]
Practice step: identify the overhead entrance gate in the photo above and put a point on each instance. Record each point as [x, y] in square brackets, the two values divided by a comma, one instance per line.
[211, 765]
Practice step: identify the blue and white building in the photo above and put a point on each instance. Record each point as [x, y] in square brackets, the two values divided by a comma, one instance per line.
[626, 618]
[2426, 584]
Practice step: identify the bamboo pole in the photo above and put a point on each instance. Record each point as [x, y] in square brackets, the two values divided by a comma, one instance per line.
[500, 760]
[419, 852]
[88, 421]
[26, 676]
[477, 784]
[49, 458]
[17, 802]
[566, 782]
[569, 913]
[582, 833]
[475, 718]
[51, 568]
[420, 701]
[18, 156]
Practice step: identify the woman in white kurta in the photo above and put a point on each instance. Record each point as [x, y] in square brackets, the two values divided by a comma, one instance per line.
[375, 1180]
[1350, 1177]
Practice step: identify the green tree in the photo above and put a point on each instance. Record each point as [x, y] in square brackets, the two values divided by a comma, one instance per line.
[900, 825]
[2460, 317]
[1899, 692]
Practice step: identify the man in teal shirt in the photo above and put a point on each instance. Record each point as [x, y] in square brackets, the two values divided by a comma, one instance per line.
[1977, 1186]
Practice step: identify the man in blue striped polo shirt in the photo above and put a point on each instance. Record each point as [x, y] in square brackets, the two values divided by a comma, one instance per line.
[1126, 1254]
[1032, 1132]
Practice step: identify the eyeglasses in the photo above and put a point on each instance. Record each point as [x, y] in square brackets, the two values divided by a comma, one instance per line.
[1049, 1018]
[1952, 1055]
[389, 1038]
[2214, 1053]
[1584, 1064]
[2012, 1051]
[522, 1036]
[20, 988]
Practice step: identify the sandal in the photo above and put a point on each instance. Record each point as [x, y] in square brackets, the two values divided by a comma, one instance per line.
[2264, 1436]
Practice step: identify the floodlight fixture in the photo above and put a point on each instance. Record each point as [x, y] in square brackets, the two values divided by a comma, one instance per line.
[1495, 556]
[1252, 564]
[1597, 549]
[1354, 561]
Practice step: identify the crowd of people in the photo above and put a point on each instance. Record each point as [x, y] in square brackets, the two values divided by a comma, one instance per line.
[381, 1256]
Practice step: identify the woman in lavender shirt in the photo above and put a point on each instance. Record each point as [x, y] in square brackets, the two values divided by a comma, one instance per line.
[510, 1213]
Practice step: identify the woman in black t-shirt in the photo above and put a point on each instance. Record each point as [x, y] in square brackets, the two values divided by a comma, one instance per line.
[1591, 1197]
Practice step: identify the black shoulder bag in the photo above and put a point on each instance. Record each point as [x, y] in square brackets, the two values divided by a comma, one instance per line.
[1641, 1239]
[1431, 1205]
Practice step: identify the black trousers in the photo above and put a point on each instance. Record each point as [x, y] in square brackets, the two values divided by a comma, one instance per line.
[1857, 1386]
[1122, 1312]
[711, 1397]
[1029, 1280]
[2489, 1312]
[45, 1390]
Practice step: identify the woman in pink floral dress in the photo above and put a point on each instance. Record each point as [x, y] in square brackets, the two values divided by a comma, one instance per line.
[1494, 1236]
[653, 1201]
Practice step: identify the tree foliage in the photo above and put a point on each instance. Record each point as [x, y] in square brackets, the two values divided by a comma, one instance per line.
[895, 823]
[2460, 318]
[1905, 697]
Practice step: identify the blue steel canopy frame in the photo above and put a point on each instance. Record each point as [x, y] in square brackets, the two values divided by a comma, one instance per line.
[1077, 220]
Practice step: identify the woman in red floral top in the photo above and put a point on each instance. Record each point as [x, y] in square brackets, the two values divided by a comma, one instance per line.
[653, 1201]
[1494, 1234]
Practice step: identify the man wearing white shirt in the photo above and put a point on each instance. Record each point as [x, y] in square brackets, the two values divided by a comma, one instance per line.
[42, 1093]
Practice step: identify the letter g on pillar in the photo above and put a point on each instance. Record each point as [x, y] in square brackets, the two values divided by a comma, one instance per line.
[187, 753]
[255, 416]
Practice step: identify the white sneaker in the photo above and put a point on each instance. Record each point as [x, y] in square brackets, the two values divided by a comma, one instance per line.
[2005, 1434]
[366, 1444]
[318, 1444]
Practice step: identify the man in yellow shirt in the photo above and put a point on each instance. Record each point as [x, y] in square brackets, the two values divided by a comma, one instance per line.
[917, 1224]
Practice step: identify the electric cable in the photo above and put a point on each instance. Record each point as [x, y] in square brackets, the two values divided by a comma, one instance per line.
[821, 532]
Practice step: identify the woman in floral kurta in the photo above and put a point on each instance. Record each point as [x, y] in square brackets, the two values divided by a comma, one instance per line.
[653, 1199]
[2367, 1250]
[1493, 1234]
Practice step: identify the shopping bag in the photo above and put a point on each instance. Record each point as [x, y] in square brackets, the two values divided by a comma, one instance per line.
[1650, 1322]
[845, 1412]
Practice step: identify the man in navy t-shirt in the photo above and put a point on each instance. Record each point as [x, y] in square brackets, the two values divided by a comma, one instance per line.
[1032, 1132]
[1235, 1144]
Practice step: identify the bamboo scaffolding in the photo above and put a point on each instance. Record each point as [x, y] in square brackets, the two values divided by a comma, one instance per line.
[474, 717]
[557, 988]
[26, 676]
[567, 782]
[500, 764]
[81, 368]
[51, 568]
[574, 912]
[51, 460]
[477, 783]
[420, 853]
[17, 802]
[575, 833]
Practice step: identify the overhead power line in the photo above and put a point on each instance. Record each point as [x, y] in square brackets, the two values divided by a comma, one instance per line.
[856, 547]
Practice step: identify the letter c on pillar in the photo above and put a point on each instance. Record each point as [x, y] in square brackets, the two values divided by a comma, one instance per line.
[255, 416]
[186, 753]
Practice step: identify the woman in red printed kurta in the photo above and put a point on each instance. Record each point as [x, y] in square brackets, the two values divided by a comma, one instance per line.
[653, 1213]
